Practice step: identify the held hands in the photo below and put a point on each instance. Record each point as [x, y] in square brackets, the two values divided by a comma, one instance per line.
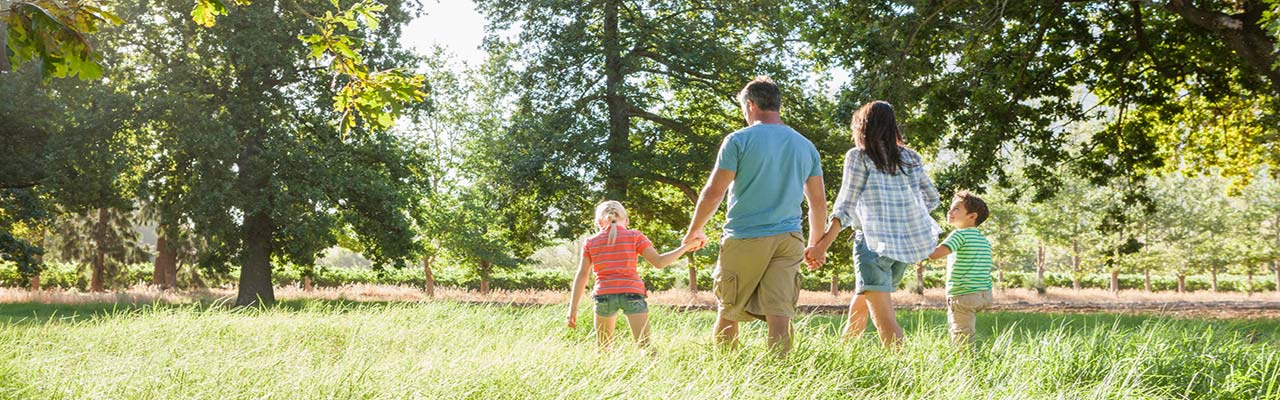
[815, 256]
[694, 241]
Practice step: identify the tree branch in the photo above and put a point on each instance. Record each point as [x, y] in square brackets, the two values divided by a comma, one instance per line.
[633, 111]
[687, 189]
[1248, 40]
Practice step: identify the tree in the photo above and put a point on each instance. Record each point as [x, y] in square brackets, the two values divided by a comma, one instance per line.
[57, 33]
[627, 101]
[247, 145]
[997, 74]
[1069, 219]
[103, 238]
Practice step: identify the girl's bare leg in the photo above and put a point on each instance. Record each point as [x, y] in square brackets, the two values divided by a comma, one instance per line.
[604, 330]
[858, 315]
[886, 320]
[639, 324]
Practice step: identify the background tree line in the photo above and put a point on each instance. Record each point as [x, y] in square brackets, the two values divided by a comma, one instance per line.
[1118, 136]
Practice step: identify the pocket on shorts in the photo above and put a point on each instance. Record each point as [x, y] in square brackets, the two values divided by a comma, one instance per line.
[795, 299]
[726, 287]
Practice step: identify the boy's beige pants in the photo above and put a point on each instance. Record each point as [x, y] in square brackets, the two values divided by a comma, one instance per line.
[962, 315]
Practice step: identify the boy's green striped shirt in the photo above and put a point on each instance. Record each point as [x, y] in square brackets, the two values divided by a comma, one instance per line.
[969, 264]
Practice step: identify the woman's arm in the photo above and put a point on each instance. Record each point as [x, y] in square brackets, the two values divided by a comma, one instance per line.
[851, 187]
[579, 286]
[928, 193]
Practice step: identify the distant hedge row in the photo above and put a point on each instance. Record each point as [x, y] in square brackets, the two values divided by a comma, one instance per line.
[68, 276]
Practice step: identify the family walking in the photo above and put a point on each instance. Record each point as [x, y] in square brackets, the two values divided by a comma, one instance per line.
[767, 169]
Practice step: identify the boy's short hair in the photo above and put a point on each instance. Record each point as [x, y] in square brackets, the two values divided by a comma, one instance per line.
[763, 92]
[973, 204]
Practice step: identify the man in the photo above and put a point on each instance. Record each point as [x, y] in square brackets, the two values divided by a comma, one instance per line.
[766, 168]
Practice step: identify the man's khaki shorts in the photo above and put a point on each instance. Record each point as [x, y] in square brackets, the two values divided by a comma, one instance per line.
[759, 277]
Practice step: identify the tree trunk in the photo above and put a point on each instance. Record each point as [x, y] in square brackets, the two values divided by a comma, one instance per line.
[1146, 280]
[35, 277]
[1000, 278]
[165, 271]
[255, 273]
[1040, 264]
[97, 280]
[5, 66]
[1075, 265]
[619, 143]
[920, 278]
[99, 268]
[1182, 283]
[196, 281]
[693, 277]
[1248, 291]
[484, 277]
[1115, 282]
[1276, 266]
[306, 283]
[428, 280]
[835, 284]
[1213, 274]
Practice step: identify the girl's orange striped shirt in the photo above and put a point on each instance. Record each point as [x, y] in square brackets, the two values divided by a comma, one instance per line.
[615, 264]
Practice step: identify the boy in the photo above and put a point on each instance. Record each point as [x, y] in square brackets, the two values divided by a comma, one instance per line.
[968, 266]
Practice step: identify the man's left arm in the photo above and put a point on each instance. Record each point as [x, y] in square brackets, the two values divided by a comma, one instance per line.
[816, 195]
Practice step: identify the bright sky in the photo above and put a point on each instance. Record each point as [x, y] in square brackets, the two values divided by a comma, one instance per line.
[452, 24]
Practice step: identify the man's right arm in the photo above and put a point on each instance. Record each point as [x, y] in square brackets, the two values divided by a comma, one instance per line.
[708, 201]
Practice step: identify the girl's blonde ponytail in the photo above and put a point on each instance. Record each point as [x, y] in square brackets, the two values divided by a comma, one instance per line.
[613, 212]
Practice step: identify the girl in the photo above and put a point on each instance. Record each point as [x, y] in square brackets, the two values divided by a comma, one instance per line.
[612, 254]
[887, 193]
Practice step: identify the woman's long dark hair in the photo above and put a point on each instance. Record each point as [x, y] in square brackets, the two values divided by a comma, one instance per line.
[875, 131]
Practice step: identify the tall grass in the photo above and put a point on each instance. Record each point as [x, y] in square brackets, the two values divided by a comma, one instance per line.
[329, 349]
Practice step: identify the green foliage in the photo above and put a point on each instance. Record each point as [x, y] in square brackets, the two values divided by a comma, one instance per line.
[643, 129]
[1174, 84]
[56, 33]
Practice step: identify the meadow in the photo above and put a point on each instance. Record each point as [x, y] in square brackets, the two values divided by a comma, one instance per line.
[457, 350]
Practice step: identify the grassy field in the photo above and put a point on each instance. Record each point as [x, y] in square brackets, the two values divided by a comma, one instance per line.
[443, 349]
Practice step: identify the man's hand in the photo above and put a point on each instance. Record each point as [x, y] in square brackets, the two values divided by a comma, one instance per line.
[694, 241]
[572, 321]
[815, 256]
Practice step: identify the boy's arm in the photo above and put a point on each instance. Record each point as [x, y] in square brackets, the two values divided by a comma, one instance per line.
[955, 240]
[941, 251]
[579, 286]
[663, 260]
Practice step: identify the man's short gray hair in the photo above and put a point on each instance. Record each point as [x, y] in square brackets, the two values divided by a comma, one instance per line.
[763, 92]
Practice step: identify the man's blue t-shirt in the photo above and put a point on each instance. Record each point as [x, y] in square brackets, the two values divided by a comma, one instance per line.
[771, 163]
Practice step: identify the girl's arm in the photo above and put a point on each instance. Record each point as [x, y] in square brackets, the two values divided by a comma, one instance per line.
[579, 286]
[665, 259]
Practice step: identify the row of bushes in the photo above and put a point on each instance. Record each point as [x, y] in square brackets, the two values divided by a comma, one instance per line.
[67, 276]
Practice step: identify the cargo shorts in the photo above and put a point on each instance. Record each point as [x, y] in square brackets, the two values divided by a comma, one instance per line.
[759, 277]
